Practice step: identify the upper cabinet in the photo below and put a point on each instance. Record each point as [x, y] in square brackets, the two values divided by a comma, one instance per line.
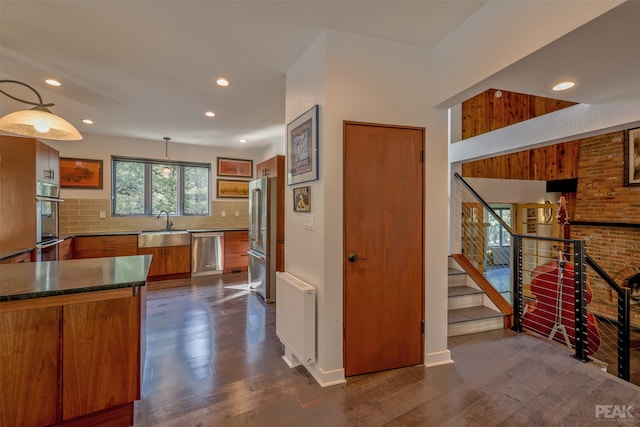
[47, 164]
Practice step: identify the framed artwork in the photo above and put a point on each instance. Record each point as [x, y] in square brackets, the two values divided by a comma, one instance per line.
[531, 228]
[230, 189]
[302, 199]
[238, 168]
[302, 147]
[80, 173]
[632, 157]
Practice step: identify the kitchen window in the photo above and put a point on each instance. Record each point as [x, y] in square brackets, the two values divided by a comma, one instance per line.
[144, 187]
[497, 235]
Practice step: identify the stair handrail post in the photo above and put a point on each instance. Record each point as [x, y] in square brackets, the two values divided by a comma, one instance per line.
[624, 334]
[579, 281]
[517, 289]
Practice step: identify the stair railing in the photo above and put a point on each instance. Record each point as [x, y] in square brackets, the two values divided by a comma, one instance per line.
[548, 285]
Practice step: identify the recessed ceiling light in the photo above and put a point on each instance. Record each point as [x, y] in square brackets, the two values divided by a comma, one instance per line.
[221, 81]
[210, 114]
[88, 121]
[52, 82]
[243, 141]
[563, 86]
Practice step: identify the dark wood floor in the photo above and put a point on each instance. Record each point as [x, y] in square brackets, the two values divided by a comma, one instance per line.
[213, 360]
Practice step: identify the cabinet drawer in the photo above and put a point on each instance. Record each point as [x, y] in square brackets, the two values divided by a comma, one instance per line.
[105, 246]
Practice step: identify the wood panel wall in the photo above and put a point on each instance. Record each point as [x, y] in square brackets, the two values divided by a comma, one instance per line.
[548, 163]
[486, 112]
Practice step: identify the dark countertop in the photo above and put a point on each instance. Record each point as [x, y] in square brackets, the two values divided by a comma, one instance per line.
[124, 233]
[8, 253]
[50, 278]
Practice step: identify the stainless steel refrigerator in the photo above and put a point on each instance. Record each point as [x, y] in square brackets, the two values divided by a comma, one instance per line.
[262, 237]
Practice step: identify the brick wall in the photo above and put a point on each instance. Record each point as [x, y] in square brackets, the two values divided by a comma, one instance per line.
[602, 197]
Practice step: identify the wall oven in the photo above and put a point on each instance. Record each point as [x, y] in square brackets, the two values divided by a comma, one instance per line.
[47, 209]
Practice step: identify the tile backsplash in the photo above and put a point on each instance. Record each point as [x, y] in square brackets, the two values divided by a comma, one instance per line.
[83, 216]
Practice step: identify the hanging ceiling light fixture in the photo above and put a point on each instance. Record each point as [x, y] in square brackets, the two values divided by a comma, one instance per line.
[166, 171]
[37, 122]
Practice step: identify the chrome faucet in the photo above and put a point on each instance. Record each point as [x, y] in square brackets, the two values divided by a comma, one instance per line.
[169, 223]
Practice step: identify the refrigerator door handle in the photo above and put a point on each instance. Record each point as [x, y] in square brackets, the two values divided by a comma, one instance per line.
[257, 198]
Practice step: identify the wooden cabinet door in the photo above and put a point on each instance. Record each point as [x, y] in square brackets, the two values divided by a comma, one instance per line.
[29, 339]
[236, 246]
[157, 266]
[47, 164]
[64, 250]
[177, 259]
[104, 334]
[105, 246]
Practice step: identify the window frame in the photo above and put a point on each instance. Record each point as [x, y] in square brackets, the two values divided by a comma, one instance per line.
[148, 185]
[498, 209]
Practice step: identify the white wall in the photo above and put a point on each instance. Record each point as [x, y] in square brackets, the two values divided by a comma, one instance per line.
[102, 147]
[509, 190]
[349, 77]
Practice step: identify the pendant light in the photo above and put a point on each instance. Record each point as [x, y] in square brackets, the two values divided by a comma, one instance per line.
[37, 122]
[166, 171]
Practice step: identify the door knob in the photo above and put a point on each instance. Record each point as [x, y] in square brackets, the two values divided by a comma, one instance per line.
[352, 257]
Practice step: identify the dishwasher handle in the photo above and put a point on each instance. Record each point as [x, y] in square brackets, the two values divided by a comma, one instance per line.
[207, 234]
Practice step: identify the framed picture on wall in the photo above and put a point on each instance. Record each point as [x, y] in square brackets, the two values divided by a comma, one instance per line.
[302, 147]
[302, 199]
[80, 173]
[230, 189]
[632, 157]
[235, 167]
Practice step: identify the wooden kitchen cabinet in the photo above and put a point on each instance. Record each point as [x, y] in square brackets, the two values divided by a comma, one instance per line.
[18, 189]
[29, 360]
[64, 250]
[275, 167]
[47, 164]
[72, 357]
[168, 260]
[92, 334]
[105, 246]
[236, 246]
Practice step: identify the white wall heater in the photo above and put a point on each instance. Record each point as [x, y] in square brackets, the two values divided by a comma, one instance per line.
[296, 319]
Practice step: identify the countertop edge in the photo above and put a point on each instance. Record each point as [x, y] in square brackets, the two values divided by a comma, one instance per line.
[60, 292]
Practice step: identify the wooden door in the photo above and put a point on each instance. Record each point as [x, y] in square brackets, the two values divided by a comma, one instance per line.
[383, 232]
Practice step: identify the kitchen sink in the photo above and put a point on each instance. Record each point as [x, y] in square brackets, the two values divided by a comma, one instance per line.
[159, 238]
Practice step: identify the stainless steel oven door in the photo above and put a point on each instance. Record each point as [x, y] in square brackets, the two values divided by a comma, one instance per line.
[46, 218]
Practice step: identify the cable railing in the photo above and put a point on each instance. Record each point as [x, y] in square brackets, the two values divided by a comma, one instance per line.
[545, 278]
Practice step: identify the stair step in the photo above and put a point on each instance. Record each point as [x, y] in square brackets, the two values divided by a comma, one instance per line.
[454, 271]
[472, 313]
[464, 296]
[473, 319]
[455, 280]
[455, 291]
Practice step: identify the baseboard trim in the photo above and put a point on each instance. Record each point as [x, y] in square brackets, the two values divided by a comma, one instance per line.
[326, 378]
[438, 358]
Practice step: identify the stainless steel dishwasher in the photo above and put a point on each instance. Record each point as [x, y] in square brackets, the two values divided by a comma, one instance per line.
[207, 253]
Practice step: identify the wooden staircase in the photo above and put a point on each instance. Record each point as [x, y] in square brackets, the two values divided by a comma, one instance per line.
[470, 309]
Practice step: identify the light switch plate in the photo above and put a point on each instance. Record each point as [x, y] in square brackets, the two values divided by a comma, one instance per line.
[237, 213]
[308, 222]
[103, 214]
[223, 214]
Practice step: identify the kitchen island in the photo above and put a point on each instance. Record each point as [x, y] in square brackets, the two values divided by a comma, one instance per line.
[72, 341]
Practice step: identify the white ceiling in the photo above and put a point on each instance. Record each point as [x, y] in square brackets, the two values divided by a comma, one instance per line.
[147, 69]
